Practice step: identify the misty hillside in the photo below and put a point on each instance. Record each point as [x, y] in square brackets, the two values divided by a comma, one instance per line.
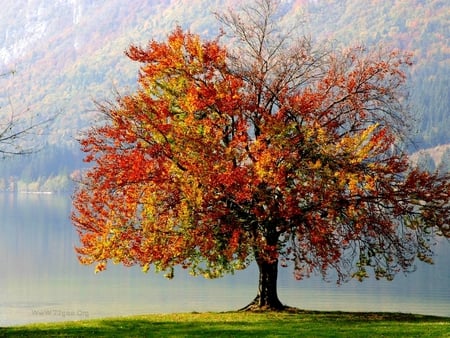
[67, 53]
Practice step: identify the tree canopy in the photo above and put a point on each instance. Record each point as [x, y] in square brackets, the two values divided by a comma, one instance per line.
[271, 151]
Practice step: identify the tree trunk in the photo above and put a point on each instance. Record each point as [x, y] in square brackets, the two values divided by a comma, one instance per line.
[267, 297]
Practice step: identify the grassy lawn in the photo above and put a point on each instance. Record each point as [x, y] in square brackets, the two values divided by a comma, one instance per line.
[243, 324]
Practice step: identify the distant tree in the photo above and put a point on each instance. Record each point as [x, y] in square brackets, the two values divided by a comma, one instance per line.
[426, 162]
[278, 154]
[17, 133]
[444, 165]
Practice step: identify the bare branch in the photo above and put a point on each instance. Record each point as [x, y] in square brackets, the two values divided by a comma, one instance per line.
[17, 132]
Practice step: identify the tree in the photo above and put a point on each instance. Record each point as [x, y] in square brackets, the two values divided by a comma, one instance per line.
[17, 133]
[425, 161]
[283, 155]
[444, 165]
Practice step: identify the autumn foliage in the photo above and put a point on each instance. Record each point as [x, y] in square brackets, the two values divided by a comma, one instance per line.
[211, 165]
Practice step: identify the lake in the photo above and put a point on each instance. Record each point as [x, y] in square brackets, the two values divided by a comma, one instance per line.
[41, 279]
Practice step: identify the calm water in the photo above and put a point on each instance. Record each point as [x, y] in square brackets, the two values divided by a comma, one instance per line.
[41, 279]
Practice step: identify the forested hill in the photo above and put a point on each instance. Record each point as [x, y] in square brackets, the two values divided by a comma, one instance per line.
[67, 53]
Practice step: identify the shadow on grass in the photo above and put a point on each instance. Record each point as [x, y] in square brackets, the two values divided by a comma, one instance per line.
[372, 316]
[141, 328]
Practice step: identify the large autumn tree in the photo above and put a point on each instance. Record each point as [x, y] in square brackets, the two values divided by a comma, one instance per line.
[273, 152]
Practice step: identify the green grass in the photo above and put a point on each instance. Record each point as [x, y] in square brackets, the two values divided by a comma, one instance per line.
[244, 324]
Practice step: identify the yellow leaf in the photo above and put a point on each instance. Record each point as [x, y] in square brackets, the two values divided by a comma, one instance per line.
[145, 268]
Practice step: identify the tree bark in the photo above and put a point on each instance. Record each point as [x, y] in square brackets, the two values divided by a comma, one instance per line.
[267, 297]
